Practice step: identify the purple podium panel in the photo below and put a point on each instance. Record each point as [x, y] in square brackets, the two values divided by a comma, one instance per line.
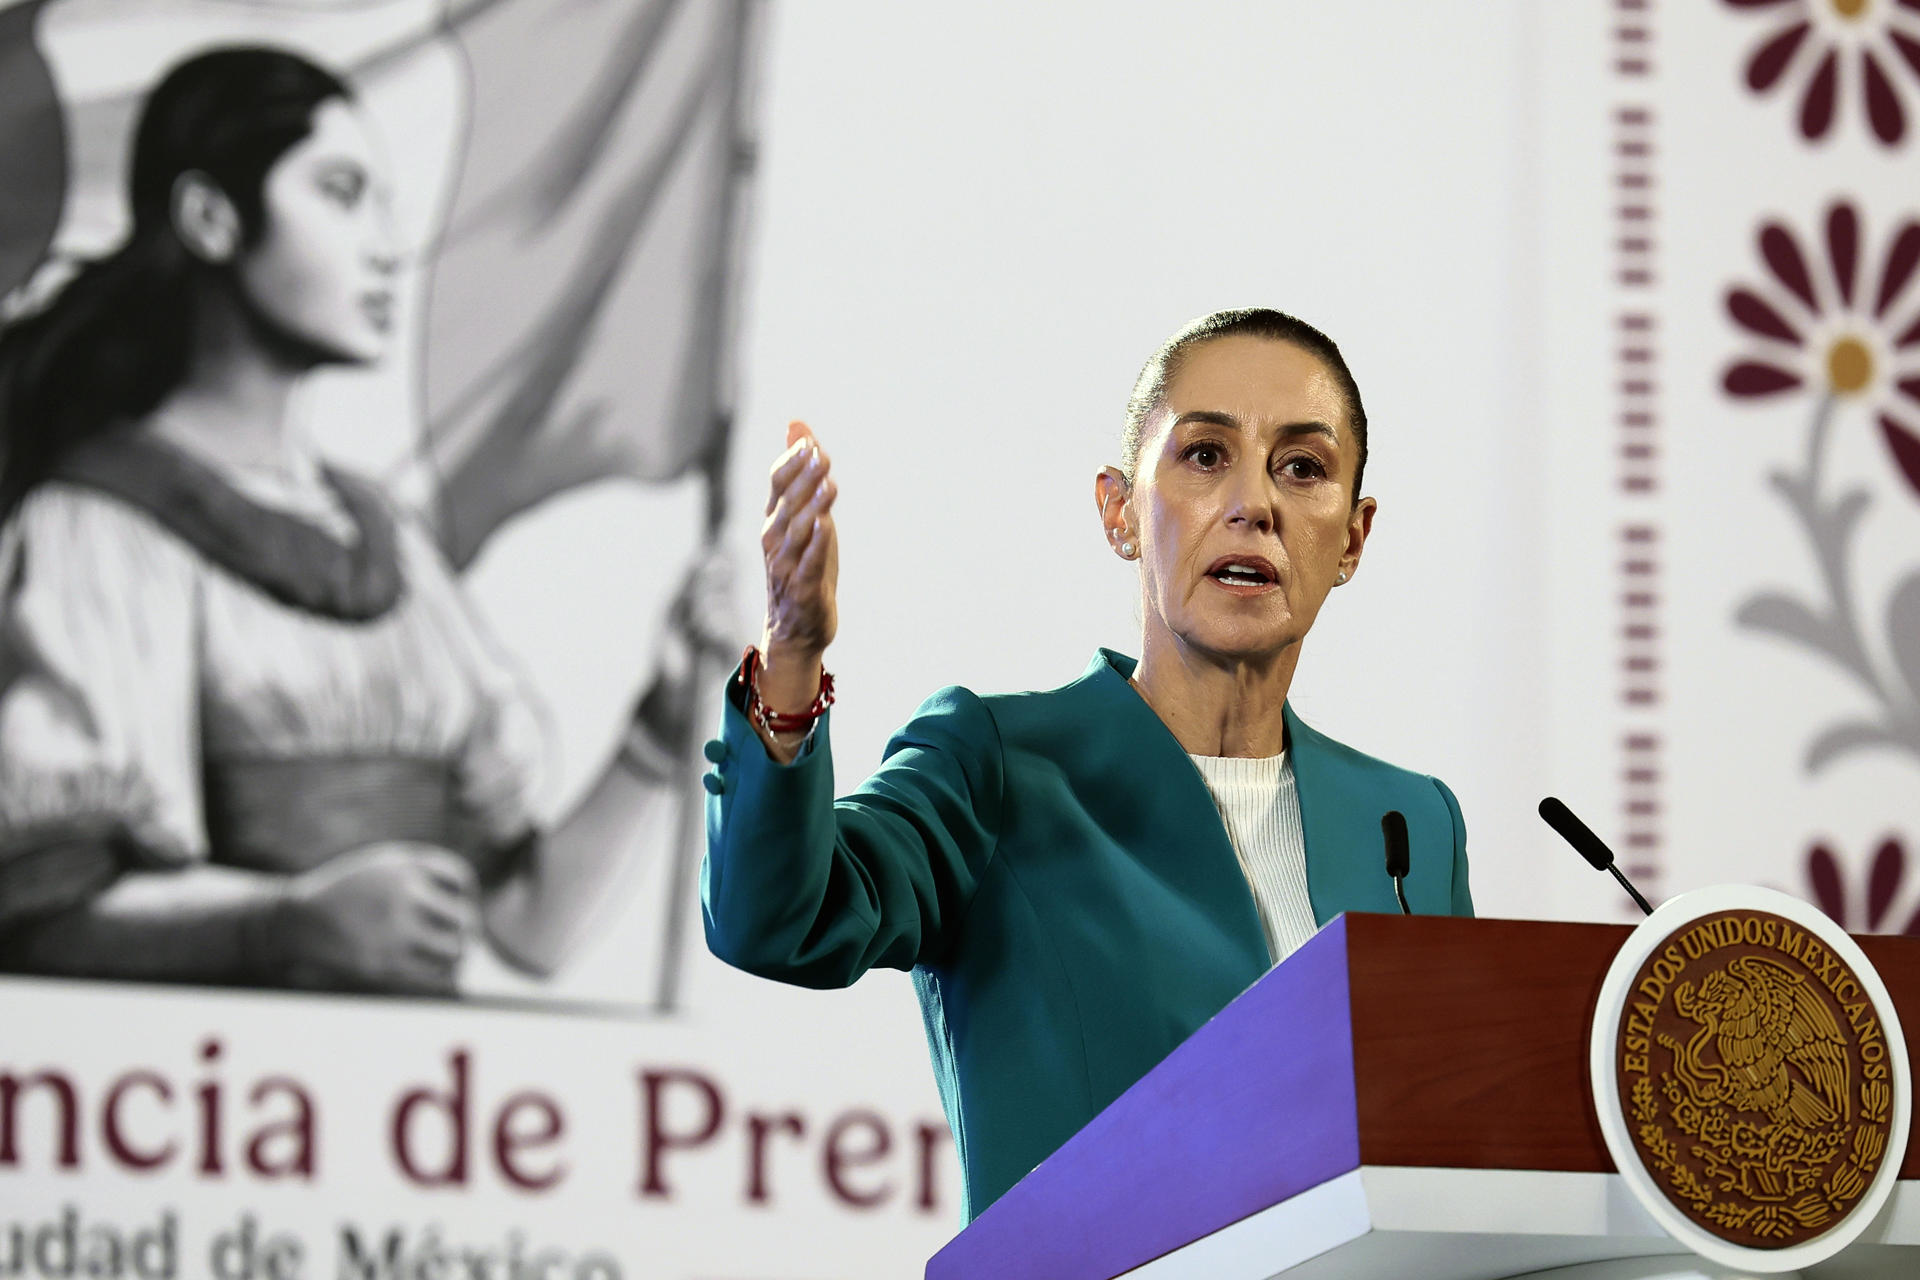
[1258, 1105]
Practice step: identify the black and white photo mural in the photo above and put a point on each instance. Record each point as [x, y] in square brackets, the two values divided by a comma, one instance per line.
[367, 375]
[324, 324]
[387, 393]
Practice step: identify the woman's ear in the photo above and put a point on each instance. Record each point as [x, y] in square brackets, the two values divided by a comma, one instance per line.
[205, 219]
[1359, 525]
[1114, 496]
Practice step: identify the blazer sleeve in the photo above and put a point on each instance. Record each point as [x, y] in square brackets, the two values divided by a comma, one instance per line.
[815, 891]
[1462, 896]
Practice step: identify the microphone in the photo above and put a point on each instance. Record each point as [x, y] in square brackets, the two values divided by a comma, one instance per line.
[1393, 825]
[1587, 844]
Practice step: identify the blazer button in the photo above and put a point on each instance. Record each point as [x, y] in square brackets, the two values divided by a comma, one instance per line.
[715, 751]
[711, 781]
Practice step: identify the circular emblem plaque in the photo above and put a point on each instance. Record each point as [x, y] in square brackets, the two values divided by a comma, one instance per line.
[1751, 1078]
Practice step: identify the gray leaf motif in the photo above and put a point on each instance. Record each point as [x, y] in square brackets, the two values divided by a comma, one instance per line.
[1903, 634]
[1787, 617]
[1842, 739]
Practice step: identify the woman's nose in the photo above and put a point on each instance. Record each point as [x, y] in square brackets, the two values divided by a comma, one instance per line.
[1252, 503]
[385, 254]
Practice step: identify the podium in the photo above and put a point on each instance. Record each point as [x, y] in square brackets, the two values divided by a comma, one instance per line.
[1403, 1096]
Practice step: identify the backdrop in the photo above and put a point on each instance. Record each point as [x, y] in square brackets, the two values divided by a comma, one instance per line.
[1628, 289]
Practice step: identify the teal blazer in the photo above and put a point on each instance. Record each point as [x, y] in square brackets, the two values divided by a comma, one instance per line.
[1052, 869]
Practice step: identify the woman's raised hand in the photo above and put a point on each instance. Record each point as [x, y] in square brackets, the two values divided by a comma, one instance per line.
[802, 555]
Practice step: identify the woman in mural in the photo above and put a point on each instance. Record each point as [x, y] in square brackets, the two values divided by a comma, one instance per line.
[250, 732]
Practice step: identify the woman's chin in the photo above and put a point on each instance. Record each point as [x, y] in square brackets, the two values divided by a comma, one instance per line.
[364, 345]
[354, 353]
[1241, 644]
[309, 352]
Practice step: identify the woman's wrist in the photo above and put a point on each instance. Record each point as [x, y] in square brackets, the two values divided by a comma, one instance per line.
[789, 675]
[786, 680]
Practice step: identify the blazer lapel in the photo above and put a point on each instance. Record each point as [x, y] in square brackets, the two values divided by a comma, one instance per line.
[1187, 842]
[1340, 818]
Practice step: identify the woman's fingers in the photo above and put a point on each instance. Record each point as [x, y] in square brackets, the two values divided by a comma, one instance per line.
[428, 960]
[781, 522]
[438, 941]
[812, 565]
[797, 542]
[442, 913]
[792, 491]
[447, 869]
[443, 892]
[794, 502]
[802, 463]
[800, 530]
[799, 457]
[434, 936]
[786, 469]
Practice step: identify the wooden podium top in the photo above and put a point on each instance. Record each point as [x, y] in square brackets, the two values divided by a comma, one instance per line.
[1470, 1038]
[1425, 1041]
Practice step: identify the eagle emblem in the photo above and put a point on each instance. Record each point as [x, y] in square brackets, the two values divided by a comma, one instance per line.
[1750, 1074]
[1780, 1049]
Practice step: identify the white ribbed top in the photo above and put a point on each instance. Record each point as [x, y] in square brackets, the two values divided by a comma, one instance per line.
[1261, 809]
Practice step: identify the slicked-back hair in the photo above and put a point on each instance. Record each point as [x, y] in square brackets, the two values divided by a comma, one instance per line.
[1150, 388]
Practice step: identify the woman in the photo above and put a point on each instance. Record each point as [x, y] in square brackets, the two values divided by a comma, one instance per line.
[249, 730]
[1080, 878]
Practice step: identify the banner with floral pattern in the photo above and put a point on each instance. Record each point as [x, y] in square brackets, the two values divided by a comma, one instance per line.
[1751, 596]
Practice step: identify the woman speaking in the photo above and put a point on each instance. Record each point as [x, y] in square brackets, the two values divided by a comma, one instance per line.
[1080, 878]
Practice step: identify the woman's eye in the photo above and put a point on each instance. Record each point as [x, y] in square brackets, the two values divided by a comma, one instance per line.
[344, 189]
[1304, 468]
[1206, 456]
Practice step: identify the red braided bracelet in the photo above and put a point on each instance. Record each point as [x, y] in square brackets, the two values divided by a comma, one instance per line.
[765, 716]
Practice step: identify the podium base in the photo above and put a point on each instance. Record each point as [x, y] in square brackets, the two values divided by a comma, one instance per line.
[1479, 1224]
[1676, 1267]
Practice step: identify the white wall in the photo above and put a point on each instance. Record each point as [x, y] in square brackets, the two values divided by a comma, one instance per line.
[974, 222]
[977, 222]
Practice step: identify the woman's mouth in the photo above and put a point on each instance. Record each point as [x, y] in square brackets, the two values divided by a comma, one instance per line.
[1244, 575]
[378, 309]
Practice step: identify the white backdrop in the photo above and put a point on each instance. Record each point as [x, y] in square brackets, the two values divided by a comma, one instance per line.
[978, 223]
[973, 223]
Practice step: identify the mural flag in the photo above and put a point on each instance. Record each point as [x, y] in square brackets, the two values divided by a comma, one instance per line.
[580, 313]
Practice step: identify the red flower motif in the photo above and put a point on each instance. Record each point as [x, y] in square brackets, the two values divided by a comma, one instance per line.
[1821, 40]
[1884, 879]
[1837, 332]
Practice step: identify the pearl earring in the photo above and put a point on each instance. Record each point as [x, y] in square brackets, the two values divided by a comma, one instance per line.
[1127, 550]
[1341, 580]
